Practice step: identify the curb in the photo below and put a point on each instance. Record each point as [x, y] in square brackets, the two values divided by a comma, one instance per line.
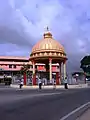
[77, 112]
[51, 87]
[78, 86]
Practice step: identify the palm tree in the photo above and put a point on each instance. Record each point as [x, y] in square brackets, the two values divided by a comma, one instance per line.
[25, 70]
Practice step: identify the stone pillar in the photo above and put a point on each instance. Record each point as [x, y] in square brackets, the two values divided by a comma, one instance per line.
[50, 69]
[57, 78]
[60, 72]
[25, 79]
[34, 75]
[64, 69]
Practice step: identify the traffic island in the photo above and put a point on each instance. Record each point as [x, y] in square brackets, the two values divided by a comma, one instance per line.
[51, 86]
[81, 113]
[85, 115]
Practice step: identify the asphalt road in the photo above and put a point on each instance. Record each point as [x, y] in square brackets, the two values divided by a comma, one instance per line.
[40, 105]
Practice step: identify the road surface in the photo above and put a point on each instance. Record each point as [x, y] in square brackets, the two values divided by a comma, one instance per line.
[18, 104]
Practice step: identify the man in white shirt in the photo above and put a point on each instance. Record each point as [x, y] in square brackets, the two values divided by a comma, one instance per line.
[65, 83]
[39, 83]
[21, 83]
[54, 83]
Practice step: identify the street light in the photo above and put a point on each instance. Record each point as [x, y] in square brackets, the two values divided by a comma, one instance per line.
[76, 77]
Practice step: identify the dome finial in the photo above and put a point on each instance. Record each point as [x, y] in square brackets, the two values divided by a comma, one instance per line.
[47, 28]
[47, 33]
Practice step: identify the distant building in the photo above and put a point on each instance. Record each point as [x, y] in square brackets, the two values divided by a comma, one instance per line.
[80, 77]
[12, 65]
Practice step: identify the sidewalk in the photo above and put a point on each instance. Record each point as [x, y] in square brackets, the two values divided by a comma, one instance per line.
[51, 86]
[85, 115]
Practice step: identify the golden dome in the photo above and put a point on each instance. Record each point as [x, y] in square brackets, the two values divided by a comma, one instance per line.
[48, 47]
[48, 43]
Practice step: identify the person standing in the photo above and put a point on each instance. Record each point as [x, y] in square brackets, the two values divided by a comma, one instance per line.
[65, 83]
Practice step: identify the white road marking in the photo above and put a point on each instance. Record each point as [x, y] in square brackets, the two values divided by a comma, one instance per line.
[74, 111]
[46, 94]
[21, 97]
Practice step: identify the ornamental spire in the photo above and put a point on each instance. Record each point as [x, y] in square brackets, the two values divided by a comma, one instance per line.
[47, 28]
[47, 33]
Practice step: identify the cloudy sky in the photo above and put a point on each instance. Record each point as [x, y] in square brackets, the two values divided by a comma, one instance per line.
[23, 22]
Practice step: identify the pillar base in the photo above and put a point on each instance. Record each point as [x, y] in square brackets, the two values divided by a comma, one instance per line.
[57, 79]
[25, 78]
[50, 68]
[34, 79]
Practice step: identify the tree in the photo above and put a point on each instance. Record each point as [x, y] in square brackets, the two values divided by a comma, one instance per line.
[85, 64]
[25, 69]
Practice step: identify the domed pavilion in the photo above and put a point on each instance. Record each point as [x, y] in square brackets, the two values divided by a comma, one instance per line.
[48, 51]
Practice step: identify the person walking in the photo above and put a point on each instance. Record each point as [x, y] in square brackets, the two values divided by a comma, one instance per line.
[21, 84]
[65, 83]
[40, 83]
[43, 82]
[54, 83]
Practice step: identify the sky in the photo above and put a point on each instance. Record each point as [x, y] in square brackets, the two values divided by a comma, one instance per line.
[23, 22]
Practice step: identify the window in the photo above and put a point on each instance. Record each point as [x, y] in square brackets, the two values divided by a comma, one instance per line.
[57, 67]
[35, 66]
[28, 66]
[31, 66]
[10, 66]
[14, 66]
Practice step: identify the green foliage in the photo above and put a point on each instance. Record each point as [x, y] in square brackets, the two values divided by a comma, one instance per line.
[25, 69]
[85, 60]
[85, 64]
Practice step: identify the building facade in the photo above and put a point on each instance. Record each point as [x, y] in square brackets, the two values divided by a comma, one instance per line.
[10, 65]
